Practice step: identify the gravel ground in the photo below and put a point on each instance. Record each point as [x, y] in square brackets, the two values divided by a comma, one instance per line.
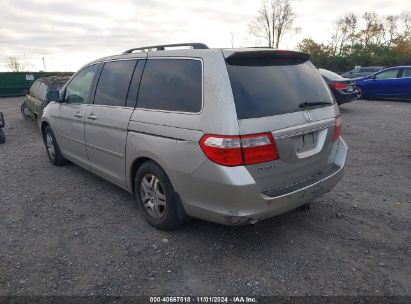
[65, 231]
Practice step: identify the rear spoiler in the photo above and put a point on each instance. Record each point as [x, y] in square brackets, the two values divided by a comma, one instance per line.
[232, 56]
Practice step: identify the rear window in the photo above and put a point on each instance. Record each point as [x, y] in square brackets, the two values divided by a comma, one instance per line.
[171, 85]
[33, 89]
[330, 75]
[58, 84]
[42, 91]
[276, 87]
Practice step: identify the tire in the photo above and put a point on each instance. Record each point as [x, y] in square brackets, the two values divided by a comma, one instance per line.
[160, 205]
[25, 112]
[52, 148]
[2, 137]
[360, 93]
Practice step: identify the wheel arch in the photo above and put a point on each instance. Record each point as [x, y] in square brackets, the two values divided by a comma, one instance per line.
[135, 165]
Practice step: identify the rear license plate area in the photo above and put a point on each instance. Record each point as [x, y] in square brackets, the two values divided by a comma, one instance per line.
[304, 142]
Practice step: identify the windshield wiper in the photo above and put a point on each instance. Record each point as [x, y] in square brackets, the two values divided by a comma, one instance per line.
[306, 104]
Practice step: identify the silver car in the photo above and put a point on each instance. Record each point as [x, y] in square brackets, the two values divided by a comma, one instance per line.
[232, 136]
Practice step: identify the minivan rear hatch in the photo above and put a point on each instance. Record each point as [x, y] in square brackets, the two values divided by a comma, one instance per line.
[282, 93]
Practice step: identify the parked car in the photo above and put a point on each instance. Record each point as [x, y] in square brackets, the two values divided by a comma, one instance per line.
[344, 89]
[231, 136]
[35, 101]
[2, 135]
[362, 71]
[392, 83]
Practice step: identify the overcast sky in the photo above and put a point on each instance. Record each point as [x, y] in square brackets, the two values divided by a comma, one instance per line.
[69, 33]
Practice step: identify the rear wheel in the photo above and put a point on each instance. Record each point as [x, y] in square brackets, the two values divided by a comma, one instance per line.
[53, 150]
[360, 94]
[25, 112]
[156, 197]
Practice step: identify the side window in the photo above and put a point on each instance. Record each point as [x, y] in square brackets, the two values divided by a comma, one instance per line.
[171, 85]
[77, 91]
[387, 74]
[406, 73]
[114, 81]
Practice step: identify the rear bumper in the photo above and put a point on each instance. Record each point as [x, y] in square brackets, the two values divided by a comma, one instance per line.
[345, 97]
[230, 195]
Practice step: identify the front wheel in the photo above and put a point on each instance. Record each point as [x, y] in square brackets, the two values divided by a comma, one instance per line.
[360, 94]
[53, 150]
[157, 200]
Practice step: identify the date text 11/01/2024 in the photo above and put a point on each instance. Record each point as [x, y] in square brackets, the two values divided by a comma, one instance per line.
[189, 299]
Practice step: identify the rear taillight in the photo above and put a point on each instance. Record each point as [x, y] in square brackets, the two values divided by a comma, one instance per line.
[338, 86]
[239, 150]
[258, 148]
[223, 150]
[337, 127]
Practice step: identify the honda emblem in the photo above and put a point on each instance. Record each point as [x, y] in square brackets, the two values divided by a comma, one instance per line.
[308, 117]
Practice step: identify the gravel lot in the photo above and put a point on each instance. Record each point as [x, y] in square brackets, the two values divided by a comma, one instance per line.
[65, 231]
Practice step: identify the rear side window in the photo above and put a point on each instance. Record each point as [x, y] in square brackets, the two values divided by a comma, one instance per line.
[171, 85]
[406, 73]
[276, 87]
[387, 74]
[114, 82]
[330, 75]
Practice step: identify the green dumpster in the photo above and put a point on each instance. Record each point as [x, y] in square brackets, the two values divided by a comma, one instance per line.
[18, 83]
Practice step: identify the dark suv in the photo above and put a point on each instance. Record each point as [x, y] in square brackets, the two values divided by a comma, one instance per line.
[36, 100]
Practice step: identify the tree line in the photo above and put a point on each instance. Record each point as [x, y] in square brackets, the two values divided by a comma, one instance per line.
[367, 39]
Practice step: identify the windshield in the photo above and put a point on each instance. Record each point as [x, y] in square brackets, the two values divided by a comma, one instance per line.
[330, 75]
[276, 88]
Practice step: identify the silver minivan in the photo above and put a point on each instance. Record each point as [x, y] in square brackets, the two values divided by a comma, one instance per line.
[232, 136]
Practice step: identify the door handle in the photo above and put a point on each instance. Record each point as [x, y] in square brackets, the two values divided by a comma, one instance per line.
[78, 115]
[92, 116]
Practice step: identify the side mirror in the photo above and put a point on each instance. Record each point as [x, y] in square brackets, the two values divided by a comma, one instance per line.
[53, 95]
[372, 77]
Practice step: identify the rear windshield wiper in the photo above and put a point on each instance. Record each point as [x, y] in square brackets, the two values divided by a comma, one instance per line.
[306, 104]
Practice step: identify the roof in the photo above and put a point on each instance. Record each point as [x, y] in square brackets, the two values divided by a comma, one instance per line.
[200, 52]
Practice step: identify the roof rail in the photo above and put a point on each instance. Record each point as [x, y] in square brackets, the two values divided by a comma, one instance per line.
[163, 46]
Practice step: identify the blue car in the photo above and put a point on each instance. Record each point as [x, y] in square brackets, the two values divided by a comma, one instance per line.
[389, 83]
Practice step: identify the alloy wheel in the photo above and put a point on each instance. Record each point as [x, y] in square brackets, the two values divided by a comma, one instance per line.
[50, 146]
[153, 196]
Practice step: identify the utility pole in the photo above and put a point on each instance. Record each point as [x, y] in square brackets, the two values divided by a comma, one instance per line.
[44, 64]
